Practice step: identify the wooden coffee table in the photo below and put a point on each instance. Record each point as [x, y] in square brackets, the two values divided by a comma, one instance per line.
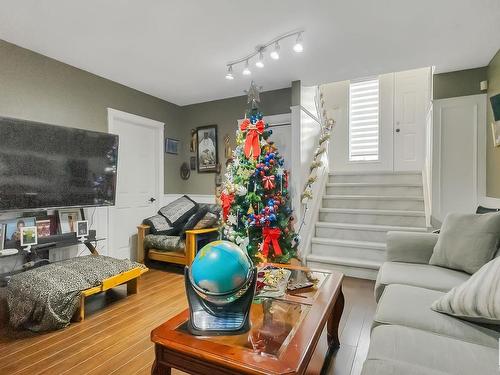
[293, 334]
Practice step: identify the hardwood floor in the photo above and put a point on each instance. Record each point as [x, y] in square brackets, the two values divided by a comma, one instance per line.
[114, 338]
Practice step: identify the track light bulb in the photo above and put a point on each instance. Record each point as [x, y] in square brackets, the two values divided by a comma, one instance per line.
[246, 71]
[275, 55]
[229, 74]
[260, 61]
[298, 47]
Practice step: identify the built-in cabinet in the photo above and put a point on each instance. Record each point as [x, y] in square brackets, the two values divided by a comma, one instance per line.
[404, 102]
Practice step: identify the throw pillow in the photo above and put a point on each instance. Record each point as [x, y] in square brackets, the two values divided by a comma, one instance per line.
[477, 299]
[178, 211]
[467, 241]
[159, 225]
[208, 221]
[194, 219]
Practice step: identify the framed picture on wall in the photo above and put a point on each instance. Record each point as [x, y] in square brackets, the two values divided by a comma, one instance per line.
[206, 152]
[171, 146]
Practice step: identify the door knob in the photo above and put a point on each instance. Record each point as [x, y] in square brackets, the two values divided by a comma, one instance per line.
[397, 130]
[152, 199]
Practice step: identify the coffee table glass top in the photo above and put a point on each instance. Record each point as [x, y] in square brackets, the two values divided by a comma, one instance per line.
[274, 321]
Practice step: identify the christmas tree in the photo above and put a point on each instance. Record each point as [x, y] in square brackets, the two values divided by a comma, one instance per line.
[255, 198]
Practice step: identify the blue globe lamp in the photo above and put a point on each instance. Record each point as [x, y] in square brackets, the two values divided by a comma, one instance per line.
[220, 285]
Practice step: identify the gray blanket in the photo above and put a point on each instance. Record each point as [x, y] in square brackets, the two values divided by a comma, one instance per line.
[46, 298]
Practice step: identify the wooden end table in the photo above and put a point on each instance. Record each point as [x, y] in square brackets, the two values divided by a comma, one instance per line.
[293, 334]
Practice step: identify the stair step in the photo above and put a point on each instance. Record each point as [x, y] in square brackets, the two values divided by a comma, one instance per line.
[402, 218]
[359, 232]
[350, 243]
[370, 176]
[346, 261]
[374, 188]
[374, 201]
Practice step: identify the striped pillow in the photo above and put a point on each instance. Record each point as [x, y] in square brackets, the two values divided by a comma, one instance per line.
[477, 299]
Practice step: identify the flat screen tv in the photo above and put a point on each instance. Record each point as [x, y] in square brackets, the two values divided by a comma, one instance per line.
[46, 166]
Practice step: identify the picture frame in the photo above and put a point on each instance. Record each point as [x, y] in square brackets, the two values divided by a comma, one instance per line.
[192, 163]
[82, 228]
[29, 236]
[207, 156]
[171, 146]
[13, 227]
[68, 218]
[2, 236]
[43, 228]
[495, 133]
[194, 141]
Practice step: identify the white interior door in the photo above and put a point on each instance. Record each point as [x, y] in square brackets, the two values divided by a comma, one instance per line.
[458, 154]
[411, 99]
[139, 179]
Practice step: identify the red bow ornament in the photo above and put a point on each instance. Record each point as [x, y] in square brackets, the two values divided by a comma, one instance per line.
[226, 199]
[268, 182]
[252, 145]
[271, 236]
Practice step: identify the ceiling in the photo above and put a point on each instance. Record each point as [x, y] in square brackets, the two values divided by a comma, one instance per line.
[177, 49]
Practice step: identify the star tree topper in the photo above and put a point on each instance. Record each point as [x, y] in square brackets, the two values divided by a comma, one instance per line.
[253, 94]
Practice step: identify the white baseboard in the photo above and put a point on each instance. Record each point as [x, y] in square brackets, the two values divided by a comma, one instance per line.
[200, 198]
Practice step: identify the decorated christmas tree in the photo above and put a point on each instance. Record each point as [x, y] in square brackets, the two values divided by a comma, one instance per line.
[255, 198]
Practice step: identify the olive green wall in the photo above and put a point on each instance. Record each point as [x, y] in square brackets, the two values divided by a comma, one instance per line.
[492, 153]
[35, 87]
[459, 83]
[224, 113]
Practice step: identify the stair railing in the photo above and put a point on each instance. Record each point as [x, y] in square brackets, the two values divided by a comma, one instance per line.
[311, 196]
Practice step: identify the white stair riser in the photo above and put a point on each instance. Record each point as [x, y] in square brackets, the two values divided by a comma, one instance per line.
[351, 234]
[347, 251]
[405, 191]
[385, 178]
[362, 273]
[382, 204]
[396, 220]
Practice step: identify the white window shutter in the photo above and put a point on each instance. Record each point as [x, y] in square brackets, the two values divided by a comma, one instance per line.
[364, 120]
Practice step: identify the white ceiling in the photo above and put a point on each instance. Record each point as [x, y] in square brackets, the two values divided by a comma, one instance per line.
[177, 49]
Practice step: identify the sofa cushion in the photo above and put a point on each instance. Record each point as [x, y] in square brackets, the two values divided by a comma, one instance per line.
[194, 219]
[467, 241]
[410, 306]
[390, 367]
[159, 225]
[478, 299]
[164, 243]
[421, 275]
[208, 221]
[179, 211]
[437, 352]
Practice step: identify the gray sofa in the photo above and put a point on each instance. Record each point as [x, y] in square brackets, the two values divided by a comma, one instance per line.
[408, 338]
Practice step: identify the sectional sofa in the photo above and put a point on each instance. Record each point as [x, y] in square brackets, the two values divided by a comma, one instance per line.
[408, 338]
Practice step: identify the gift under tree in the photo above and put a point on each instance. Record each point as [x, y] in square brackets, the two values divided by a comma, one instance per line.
[255, 197]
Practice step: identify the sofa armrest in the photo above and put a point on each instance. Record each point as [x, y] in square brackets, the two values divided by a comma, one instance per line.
[410, 247]
[142, 231]
[191, 242]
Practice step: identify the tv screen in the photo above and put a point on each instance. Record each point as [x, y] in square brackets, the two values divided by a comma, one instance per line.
[48, 166]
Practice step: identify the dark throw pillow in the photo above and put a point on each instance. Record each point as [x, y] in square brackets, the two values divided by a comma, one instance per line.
[179, 211]
[194, 219]
[159, 225]
[208, 221]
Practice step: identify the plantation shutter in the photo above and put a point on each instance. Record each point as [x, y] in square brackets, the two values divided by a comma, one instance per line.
[364, 120]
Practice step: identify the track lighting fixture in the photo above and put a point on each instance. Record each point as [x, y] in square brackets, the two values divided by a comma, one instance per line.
[229, 74]
[246, 71]
[298, 47]
[260, 49]
[260, 61]
[275, 54]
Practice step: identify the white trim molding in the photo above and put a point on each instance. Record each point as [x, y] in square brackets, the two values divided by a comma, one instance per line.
[199, 198]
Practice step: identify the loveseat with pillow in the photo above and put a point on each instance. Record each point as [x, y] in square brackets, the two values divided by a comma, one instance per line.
[439, 301]
[177, 231]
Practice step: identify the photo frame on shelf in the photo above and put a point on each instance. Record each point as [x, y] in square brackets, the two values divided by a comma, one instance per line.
[68, 217]
[2, 235]
[171, 146]
[206, 151]
[82, 228]
[13, 227]
[43, 228]
[29, 236]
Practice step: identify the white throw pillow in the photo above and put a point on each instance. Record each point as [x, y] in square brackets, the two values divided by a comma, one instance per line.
[477, 299]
